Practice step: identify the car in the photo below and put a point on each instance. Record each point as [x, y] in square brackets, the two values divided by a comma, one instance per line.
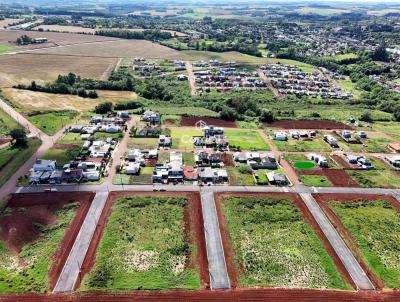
[48, 190]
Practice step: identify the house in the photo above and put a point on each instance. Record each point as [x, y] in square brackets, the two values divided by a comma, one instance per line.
[182, 77]
[212, 131]
[42, 165]
[319, 159]
[160, 174]
[164, 141]
[99, 149]
[152, 117]
[267, 161]
[175, 171]
[76, 128]
[176, 157]
[202, 159]
[394, 147]
[331, 141]
[276, 178]
[123, 114]
[206, 175]
[280, 136]
[134, 155]
[393, 160]
[72, 175]
[190, 173]
[132, 168]
[56, 177]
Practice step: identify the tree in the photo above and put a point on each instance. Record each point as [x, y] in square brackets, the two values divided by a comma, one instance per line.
[366, 117]
[103, 108]
[380, 53]
[19, 137]
[396, 115]
[228, 114]
[92, 94]
[267, 116]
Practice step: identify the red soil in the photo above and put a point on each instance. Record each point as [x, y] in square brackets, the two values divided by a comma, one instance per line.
[27, 210]
[190, 121]
[256, 295]
[64, 146]
[339, 178]
[226, 241]
[309, 124]
[193, 219]
[227, 159]
[323, 200]
[341, 161]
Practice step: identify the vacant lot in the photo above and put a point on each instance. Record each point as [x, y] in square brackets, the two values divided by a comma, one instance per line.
[293, 145]
[308, 124]
[24, 68]
[182, 137]
[143, 143]
[237, 178]
[374, 226]
[379, 178]
[315, 180]
[6, 123]
[35, 238]
[246, 139]
[12, 158]
[51, 122]
[274, 246]
[211, 121]
[148, 243]
[172, 110]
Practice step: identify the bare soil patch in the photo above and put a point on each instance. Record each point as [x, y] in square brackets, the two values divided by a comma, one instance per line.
[308, 124]
[226, 241]
[20, 227]
[338, 177]
[64, 146]
[190, 121]
[193, 225]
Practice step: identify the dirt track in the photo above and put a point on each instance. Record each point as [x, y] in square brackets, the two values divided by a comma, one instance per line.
[190, 121]
[193, 219]
[41, 208]
[232, 269]
[309, 124]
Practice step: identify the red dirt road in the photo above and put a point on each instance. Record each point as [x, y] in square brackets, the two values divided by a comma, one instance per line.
[190, 121]
[249, 295]
[19, 228]
[193, 222]
[308, 124]
[226, 241]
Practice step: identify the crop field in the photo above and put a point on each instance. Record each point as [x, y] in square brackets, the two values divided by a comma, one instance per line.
[34, 230]
[182, 137]
[374, 226]
[246, 139]
[6, 123]
[24, 68]
[274, 246]
[116, 49]
[292, 145]
[11, 158]
[148, 243]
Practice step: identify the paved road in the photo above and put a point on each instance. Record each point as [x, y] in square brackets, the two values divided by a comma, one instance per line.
[215, 252]
[352, 266]
[71, 271]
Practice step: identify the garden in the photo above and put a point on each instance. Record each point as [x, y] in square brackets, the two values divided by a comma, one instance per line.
[145, 246]
[375, 227]
[275, 247]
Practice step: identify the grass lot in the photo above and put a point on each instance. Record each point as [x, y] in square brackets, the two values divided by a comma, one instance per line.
[6, 48]
[188, 159]
[11, 159]
[236, 178]
[338, 112]
[274, 247]
[391, 128]
[376, 178]
[345, 56]
[144, 247]
[195, 111]
[62, 156]
[261, 176]
[6, 123]
[143, 143]
[292, 145]
[349, 86]
[375, 143]
[38, 256]
[315, 181]
[375, 227]
[182, 137]
[71, 138]
[51, 122]
[246, 139]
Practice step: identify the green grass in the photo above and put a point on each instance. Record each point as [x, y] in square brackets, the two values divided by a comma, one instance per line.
[246, 139]
[390, 128]
[376, 178]
[338, 112]
[53, 121]
[71, 138]
[375, 227]
[349, 86]
[144, 247]
[182, 137]
[274, 247]
[7, 123]
[315, 181]
[62, 156]
[236, 178]
[194, 111]
[304, 165]
[6, 48]
[292, 145]
[13, 158]
[38, 255]
[143, 143]
[188, 159]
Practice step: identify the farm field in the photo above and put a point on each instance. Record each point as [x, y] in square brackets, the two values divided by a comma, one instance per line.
[6, 123]
[274, 246]
[35, 238]
[155, 249]
[246, 139]
[11, 159]
[374, 227]
[182, 137]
